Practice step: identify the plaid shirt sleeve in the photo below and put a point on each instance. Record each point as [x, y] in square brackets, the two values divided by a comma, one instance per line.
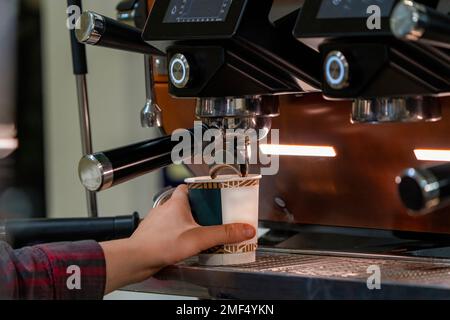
[60, 271]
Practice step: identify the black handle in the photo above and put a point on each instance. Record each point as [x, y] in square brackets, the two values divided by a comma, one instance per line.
[425, 189]
[20, 233]
[98, 30]
[138, 159]
[78, 49]
[436, 29]
[103, 170]
[416, 22]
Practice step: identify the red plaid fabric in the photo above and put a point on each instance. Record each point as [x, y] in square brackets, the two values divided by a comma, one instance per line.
[61, 271]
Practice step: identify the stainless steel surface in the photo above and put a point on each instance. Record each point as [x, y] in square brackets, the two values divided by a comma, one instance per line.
[96, 172]
[237, 107]
[151, 115]
[90, 27]
[179, 71]
[239, 113]
[337, 70]
[406, 18]
[285, 274]
[428, 185]
[383, 110]
[86, 135]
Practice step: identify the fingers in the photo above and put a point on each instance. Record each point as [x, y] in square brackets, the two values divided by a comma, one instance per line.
[205, 238]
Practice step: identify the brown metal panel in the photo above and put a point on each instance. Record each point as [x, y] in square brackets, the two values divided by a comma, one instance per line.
[355, 189]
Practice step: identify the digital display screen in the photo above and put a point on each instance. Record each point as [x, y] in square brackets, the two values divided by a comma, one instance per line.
[336, 9]
[194, 11]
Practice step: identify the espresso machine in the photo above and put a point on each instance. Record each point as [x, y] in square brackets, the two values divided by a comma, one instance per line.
[374, 94]
[359, 91]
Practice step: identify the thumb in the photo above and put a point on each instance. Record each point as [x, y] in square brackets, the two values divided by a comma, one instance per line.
[179, 201]
[180, 195]
[181, 190]
[208, 237]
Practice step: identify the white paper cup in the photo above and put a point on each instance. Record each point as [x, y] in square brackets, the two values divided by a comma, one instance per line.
[224, 200]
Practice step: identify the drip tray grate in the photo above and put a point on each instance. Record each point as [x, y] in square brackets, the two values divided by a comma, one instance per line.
[392, 270]
[282, 274]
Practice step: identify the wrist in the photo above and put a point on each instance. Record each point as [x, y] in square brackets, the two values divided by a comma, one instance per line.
[136, 257]
[124, 264]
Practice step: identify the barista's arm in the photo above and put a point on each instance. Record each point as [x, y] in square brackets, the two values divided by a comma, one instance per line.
[88, 270]
[55, 271]
[168, 235]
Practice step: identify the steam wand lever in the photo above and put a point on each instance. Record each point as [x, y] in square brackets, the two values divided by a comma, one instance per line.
[104, 170]
[415, 22]
[97, 30]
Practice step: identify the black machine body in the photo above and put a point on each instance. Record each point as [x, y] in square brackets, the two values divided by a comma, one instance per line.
[361, 57]
[225, 48]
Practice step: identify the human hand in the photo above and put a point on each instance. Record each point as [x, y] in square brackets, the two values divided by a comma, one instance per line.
[168, 235]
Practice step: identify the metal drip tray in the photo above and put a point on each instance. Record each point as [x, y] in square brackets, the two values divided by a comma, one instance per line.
[307, 275]
[423, 272]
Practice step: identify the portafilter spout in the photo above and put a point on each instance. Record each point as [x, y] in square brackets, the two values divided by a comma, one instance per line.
[237, 118]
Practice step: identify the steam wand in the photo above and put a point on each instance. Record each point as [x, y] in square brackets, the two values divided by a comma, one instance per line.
[80, 70]
[98, 30]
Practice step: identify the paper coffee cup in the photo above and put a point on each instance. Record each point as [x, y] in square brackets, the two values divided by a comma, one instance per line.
[224, 200]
